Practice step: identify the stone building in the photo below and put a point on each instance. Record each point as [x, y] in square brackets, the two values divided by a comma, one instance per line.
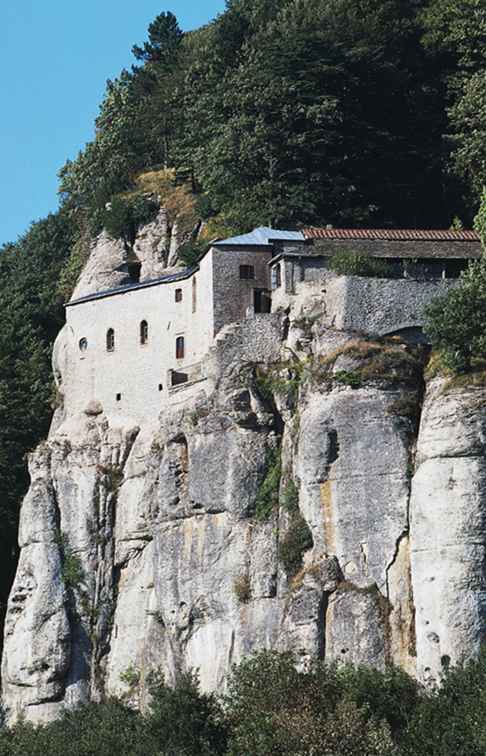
[135, 347]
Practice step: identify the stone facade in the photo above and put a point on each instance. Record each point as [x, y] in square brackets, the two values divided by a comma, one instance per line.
[123, 349]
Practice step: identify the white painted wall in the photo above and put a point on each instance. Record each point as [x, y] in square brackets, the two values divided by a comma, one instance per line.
[134, 370]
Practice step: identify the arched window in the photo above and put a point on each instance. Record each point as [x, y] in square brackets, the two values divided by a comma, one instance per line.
[83, 344]
[110, 340]
[143, 332]
[180, 348]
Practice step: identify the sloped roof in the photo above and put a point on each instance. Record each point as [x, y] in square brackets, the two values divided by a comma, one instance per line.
[387, 234]
[262, 236]
[169, 278]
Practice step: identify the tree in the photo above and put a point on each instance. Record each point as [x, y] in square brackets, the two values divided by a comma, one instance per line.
[456, 322]
[165, 37]
[184, 720]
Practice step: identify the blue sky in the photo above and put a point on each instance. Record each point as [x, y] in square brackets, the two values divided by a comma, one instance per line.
[55, 58]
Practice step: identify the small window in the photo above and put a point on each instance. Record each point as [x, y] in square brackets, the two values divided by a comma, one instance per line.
[110, 340]
[194, 294]
[180, 348]
[178, 295]
[277, 276]
[160, 387]
[118, 397]
[143, 332]
[83, 345]
[247, 272]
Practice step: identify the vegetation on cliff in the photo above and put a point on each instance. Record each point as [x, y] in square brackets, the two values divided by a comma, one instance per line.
[271, 708]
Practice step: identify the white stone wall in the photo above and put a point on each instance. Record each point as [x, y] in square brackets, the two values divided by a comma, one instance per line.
[133, 370]
[127, 380]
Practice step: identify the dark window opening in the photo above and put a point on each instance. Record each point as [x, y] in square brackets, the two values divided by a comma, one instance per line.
[247, 272]
[178, 295]
[83, 345]
[276, 276]
[118, 397]
[110, 340]
[160, 387]
[143, 332]
[262, 300]
[180, 348]
[134, 267]
[177, 378]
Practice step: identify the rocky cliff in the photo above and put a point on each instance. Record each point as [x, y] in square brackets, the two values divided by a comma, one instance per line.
[326, 496]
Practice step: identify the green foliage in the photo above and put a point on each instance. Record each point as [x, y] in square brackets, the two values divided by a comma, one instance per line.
[275, 111]
[456, 321]
[283, 379]
[125, 214]
[348, 378]
[185, 721]
[290, 497]
[480, 219]
[267, 495]
[292, 546]
[354, 264]
[165, 37]
[271, 708]
[101, 729]
[72, 571]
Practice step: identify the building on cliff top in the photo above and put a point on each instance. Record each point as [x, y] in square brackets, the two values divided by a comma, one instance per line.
[135, 347]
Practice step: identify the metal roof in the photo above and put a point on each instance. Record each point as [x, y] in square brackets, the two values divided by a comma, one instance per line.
[388, 234]
[262, 237]
[171, 278]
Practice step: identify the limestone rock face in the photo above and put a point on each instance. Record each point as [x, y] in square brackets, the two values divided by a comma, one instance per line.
[155, 248]
[106, 267]
[156, 547]
[448, 527]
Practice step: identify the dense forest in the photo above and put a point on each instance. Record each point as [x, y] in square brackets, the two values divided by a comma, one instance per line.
[279, 112]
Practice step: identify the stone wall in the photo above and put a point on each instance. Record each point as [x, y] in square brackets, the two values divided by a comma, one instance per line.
[379, 306]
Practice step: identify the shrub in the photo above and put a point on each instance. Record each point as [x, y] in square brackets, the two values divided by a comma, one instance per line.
[348, 378]
[273, 709]
[185, 721]
[290, 497]
[294, 543]
[126, 213]
[72, 571]
[456, 322]
[354, 264]
[267, 495]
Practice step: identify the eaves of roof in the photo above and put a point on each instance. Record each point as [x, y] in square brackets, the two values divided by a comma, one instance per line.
[172, 278]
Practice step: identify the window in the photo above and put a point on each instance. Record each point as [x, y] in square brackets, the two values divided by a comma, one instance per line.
[194, 294]
[143, 332]
[118, 397]
[178, 295]
[276, 276]
[180, 348]
[247, 272]
[262, 301]
[110, 340]
[83, 345]
[160, 387]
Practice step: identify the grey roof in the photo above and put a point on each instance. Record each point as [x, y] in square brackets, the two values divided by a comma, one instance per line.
[171, 278]
[262, 237]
